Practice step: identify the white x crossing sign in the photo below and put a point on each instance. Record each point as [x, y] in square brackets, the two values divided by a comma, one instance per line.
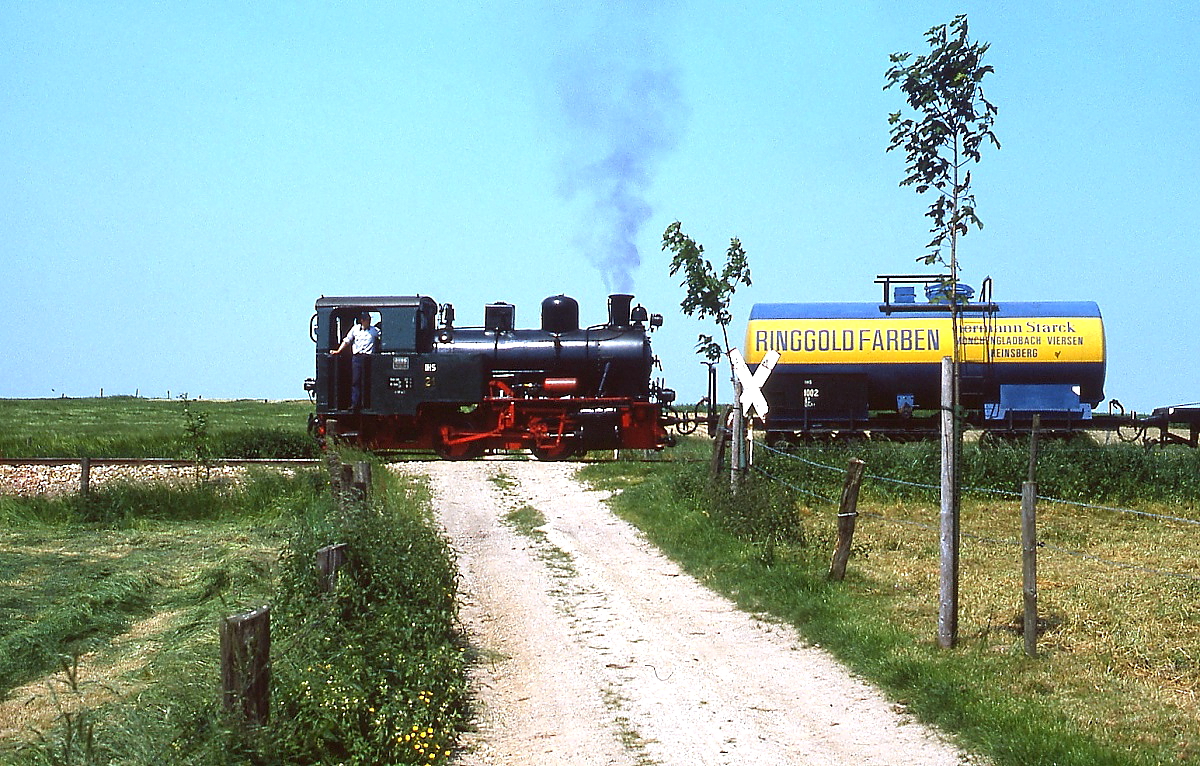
[753, 400]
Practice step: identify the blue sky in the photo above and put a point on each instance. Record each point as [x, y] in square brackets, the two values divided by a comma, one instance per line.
[179, 182]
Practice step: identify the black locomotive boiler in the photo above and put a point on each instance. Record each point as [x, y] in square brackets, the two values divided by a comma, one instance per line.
[558, 390]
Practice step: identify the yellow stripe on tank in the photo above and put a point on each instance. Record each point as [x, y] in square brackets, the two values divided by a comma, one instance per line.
[925, 340]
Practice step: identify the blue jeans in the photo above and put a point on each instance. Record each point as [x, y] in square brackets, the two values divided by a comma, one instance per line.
[359, 376]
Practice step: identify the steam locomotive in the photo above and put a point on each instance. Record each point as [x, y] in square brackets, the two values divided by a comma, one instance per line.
[558, 391]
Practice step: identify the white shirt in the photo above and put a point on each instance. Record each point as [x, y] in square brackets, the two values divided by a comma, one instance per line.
[362, 339]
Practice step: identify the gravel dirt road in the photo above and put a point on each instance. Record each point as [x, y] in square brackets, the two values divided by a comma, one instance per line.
[594, 648]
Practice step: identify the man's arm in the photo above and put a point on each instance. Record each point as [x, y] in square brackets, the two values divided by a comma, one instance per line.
[345, 343]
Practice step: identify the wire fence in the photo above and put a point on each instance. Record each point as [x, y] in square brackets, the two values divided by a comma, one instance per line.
[1084, 555]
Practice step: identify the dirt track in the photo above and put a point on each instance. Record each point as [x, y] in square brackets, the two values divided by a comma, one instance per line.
[596, 649]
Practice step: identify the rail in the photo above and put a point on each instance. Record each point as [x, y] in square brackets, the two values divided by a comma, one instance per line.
[155, 461]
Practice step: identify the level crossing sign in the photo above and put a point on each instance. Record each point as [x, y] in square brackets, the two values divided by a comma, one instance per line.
[753, 402]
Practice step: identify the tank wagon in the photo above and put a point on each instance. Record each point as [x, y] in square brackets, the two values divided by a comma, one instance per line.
[558, 390]
[850, 368]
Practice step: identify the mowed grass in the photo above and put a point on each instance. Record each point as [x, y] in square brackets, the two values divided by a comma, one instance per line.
[110, 653]
[92, 612]
[129, 427]
[1118, 669]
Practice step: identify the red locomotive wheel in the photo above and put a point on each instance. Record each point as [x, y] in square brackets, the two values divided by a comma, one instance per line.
[461, 450]
[560, 450]
[458, 450]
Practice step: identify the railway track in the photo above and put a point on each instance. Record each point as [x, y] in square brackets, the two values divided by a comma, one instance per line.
[152, 461]
[59, 476]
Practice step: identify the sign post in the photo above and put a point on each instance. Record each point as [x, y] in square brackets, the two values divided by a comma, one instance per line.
[749, 395]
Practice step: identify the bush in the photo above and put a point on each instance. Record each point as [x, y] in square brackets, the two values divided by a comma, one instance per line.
[373, 671]
[756, 512]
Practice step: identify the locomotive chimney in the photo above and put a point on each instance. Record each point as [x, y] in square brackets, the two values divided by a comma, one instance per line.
[618, 309]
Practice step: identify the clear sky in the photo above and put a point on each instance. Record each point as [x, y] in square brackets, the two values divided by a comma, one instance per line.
[180, 181]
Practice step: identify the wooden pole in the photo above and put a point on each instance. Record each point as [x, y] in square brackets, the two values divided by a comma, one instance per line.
[1029, 595]
[360, 480]
[847, 518]
[738, 441]
[246, 664]
[720, 440]
[949, 540]
[85, 475]
[329, 560]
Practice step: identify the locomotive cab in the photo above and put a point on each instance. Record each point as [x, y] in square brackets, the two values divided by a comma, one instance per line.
[406, 327]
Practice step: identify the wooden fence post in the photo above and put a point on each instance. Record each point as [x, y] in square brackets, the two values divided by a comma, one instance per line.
[846, 519]
[85, 475]
[329, 560]
[353, 483]
[246, 664]
[1029, 594]
[360, 480]
[720, 440]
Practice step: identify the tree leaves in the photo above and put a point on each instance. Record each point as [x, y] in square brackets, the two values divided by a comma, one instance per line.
[944, 87]
[709, 293]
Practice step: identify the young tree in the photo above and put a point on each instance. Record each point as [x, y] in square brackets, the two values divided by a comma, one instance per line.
[945, 89]
[708, 293]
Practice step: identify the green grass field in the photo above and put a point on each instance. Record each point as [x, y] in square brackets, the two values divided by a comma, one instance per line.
[1115, 682]
[128, 427]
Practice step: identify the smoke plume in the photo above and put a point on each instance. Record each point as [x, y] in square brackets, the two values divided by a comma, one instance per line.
[624, 113]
